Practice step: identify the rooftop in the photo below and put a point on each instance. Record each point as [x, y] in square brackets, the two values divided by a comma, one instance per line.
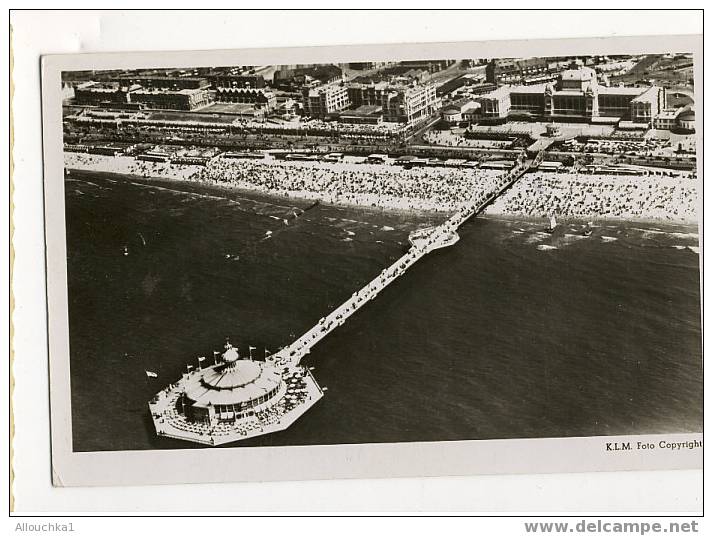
[531, 89]
[582, 74]
[364, 110]
[647, 94]
[619, 90]
[233, 382]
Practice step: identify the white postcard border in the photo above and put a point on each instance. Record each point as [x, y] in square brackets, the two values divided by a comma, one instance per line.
[319, 461]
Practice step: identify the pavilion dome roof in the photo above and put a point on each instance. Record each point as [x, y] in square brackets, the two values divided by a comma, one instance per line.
[233, 382]
[689, 115]
[231, 355]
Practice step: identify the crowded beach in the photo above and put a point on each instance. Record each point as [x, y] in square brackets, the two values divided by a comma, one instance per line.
[441, 189]
[385, 186]
[601, 196]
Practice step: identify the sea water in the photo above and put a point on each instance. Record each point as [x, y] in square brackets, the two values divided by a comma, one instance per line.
[511, 333]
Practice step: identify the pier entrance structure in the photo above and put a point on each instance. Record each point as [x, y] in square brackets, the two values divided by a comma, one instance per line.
[237, 398]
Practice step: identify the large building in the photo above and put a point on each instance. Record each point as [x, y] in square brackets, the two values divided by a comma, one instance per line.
[432, 66]
[514, 70]
[261, 98]
[226, 80]
[233, 399]
[322, 101]
[368, 65]
[287, 78]
[103, 93]
[399, 103]
[231, 391]
[173, 83]
[682, 119]
[458, 111]
[158, 93]
[184, 99]
[576, 96]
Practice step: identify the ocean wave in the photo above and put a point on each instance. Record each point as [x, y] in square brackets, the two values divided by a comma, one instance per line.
[675, 234]
[574, 237]
[537, 237]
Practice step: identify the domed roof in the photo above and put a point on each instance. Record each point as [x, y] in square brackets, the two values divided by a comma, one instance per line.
[233, 382]
[231, 354]
[235, 374]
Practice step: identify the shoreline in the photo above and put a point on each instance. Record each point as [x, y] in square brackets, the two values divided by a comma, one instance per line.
[261, 196]
[191, 174]
[527, 218]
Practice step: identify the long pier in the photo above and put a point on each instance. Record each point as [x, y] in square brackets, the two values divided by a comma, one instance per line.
[422, 242]
[243, 415]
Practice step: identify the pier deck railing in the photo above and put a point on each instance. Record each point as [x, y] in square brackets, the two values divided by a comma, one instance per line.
[440, 236]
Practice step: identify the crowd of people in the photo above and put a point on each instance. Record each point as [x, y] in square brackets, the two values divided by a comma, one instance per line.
[449, 139]
[640, 147]
[661, 198]
[377, 185]
[298, 126]
[430, 188]
[321, 126]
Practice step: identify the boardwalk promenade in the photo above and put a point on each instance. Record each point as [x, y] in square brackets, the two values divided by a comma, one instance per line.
[422, 242]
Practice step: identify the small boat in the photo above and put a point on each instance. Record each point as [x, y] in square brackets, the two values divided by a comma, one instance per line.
[553, 225]
[587, 231]
[151, 374]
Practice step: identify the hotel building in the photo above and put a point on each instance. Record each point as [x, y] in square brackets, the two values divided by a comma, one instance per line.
[184, 99]
[321, 101]
[103, 93]
[576, 96]
[399, 103]
[261, 98]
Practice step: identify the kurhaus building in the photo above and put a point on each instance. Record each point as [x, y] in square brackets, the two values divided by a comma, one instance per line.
[576, 96]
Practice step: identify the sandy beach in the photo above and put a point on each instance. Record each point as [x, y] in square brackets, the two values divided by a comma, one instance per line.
[433, 189]
[364, 185]
[601, 196]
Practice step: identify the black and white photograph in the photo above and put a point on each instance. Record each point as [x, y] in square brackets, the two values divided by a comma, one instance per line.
[380, 249]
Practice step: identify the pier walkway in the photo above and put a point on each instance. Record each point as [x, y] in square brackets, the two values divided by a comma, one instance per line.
[240, 418]
[422, 242]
